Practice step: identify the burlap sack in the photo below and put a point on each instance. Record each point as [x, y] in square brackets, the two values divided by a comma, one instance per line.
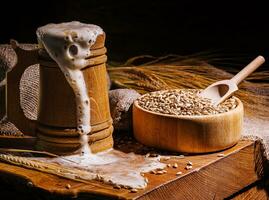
[121, 101]
[28, 86]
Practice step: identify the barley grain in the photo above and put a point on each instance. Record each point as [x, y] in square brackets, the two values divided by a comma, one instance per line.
[117, 186]
[175, 165]
[183, 102]
[67, 186]
[159, 172]
[189, 163]
[30, 184]
[134, 190]
[178, 173]
[188, 167]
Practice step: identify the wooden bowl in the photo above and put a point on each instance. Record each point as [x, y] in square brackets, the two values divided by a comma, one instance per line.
[190, 134]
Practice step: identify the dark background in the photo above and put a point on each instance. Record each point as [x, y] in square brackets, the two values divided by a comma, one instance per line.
[236, 30]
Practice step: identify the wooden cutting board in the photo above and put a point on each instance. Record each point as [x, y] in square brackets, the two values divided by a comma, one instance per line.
[211, 177]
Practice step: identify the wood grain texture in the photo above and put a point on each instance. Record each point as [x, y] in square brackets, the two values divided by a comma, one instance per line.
[20, 142]
[192, 134]
[211, 177]
[58, 100]
[256, 192]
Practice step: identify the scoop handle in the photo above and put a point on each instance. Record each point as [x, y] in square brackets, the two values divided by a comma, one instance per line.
[251, 67]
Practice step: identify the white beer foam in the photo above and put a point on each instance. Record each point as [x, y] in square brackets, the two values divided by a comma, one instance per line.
[69, 45]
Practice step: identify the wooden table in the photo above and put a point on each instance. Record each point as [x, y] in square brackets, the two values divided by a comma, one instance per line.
[212, 177]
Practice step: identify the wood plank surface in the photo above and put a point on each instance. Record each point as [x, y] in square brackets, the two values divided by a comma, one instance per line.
[256, 192]
[212, 177]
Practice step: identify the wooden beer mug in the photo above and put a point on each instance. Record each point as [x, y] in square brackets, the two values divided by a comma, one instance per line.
[55, 127]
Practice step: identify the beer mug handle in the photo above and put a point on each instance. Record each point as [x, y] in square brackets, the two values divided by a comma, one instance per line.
[15, 114]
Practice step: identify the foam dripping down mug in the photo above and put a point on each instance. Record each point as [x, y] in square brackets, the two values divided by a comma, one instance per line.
[73, 93]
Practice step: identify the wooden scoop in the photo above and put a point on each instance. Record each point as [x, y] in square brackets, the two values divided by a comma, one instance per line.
[222, 90]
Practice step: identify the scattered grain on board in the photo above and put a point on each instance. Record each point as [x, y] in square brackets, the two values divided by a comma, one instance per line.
[188, 167]
[117, 186]
[175, 165]
[134, 190]
[30, 184]
[67, 186]
[159, 172]
[178, 173]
